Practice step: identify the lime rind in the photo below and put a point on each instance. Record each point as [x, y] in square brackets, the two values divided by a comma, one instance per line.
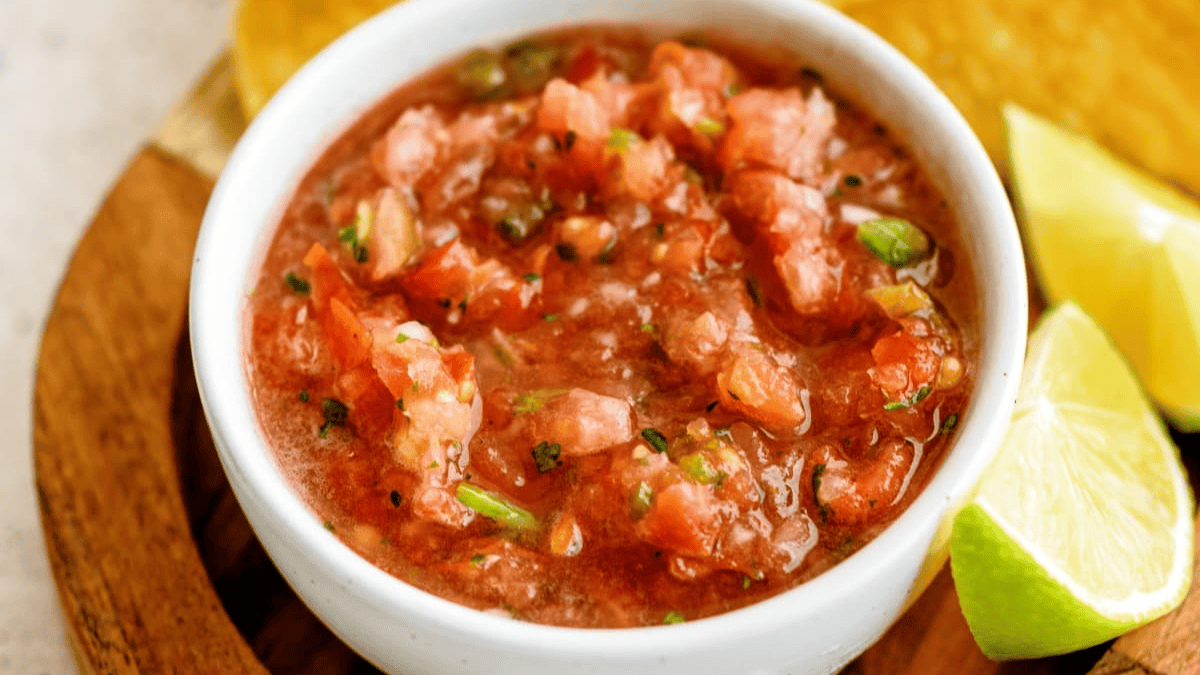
[1009, 625]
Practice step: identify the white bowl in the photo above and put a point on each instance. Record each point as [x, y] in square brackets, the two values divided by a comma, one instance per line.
[813, 629]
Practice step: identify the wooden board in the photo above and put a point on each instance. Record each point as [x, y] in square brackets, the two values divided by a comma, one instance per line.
[156, 566]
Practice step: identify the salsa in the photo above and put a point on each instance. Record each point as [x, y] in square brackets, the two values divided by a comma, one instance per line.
[595, 330]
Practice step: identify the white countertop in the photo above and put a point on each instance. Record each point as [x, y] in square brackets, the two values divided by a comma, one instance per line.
[82, 84]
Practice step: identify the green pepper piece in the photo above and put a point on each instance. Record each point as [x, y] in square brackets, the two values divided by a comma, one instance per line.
[495, 507]
[480, 73]
[895, 241]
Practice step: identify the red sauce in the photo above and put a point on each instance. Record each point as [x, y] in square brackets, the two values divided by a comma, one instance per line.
[584, 331]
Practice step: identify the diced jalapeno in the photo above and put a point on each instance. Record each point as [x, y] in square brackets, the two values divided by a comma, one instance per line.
[495, 507]
[532, 64]
[895, 241]
[900, 300]
[480, 73]
[697, 466]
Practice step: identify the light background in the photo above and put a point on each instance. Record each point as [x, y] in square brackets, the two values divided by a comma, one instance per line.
[82, 84]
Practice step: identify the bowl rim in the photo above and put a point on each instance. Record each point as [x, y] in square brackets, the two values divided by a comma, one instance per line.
[222, 380]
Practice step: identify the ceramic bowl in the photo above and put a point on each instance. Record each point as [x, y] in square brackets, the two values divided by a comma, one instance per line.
[811, 630]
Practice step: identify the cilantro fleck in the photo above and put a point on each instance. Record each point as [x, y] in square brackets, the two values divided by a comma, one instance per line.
[732, 90]
[400, 404]
[335, 413]
[532, 277]
[396, 498]
[550, 317]
[433, 465]
[655, 438]
[401, 338]
[923, 392]
[817, 473]
[477, 558]
[709, 408]
[304, 396]
[569, 140]
[811, 73]
[649, 328]
[659, 229]
[674, 617]
[546, 456]
[349, 236]
[329, 525]
[297, 284]
[565, 251]
[853, 180]
[950, 423]
[745, 582]
[754, 290]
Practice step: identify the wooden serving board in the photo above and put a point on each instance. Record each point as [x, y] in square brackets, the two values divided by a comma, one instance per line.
[157, 568]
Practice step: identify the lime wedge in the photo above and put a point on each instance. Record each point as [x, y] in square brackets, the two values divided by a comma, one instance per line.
[1082, 528]
[1124, 246]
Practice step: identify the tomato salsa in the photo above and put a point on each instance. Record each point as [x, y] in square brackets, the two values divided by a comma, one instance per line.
[599, 330]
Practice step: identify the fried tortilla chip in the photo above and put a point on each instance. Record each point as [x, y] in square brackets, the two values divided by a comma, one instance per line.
[273, 38]
[1124, 72]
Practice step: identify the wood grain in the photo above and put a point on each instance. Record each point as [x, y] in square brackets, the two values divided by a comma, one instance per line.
[157, 568]
[133, 587]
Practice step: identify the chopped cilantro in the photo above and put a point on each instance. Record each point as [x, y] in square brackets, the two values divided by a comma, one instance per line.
[297, 284]
[396, 498]
[811, 73]
[546, 456]
[477, 558]
[731, 90]
[335, 413]
[569, 139]
[349, 236]
[659, 229]
[817, 473]
[565, 251]
[401, 338]
[400, 404]
[304, 396]
[621, 139]
[921, 394]
[549, 317]
[674, 617]
[853, 180]
[649, 328]
[709, 408]
[754, 290]
[655, 438]
[950, 423]
[532, 277]
[329, 525]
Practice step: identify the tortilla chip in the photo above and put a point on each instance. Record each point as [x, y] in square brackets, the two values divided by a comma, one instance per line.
[273, 38]
[1124, 72]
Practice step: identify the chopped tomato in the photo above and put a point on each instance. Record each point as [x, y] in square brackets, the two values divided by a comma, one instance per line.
[778, 129]
[685, 518]
[905, 364]
[582, 422]
[752, 384]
